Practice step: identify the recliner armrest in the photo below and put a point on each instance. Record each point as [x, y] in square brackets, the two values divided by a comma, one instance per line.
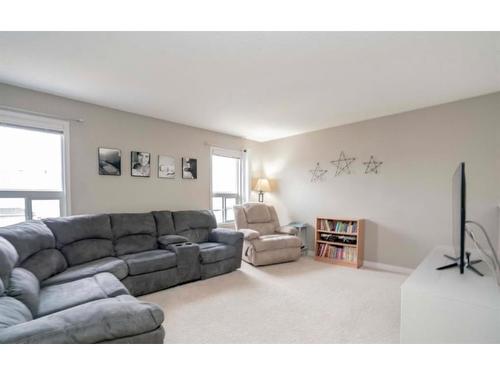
[249, 234]
[226, 236]
[286, 229]
[170, 239]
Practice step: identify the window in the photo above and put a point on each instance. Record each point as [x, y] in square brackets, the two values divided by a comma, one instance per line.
[228, 182]
[33, 171]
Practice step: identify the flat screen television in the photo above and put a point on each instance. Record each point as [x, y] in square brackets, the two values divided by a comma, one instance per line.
[458, 215]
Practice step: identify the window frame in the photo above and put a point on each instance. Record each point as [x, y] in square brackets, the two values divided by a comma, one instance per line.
[241, 195]
[40, 123]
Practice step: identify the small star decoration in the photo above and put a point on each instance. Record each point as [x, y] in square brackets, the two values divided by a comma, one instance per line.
[372, 165]
[317, 173]
[342, 164]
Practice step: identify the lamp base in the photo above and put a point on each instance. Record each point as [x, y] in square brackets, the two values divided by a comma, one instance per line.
[261, 196]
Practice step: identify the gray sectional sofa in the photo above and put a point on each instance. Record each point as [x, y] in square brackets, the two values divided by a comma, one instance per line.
[72, 279]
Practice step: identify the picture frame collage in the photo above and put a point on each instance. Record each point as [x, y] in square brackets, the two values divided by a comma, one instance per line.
[110, 164]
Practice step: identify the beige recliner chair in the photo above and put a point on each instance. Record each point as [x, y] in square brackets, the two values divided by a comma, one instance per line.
[265, 241]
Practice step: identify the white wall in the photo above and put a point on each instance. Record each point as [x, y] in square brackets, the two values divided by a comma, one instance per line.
[92, 193]
[408, 204]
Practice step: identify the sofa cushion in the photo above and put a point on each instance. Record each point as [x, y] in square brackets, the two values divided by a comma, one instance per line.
[45, 263]
[8, 259]
[59, 297]
[2, 288]
[82, 238]
[275, 242]
[171, 239]
[149, 261]
[164, 222]
[194, 225]
[211, 252]
[13, 312]
[28, 238]
[113, 265]
[24, 287]
[257, 213]
[95, 321]
[133, 233]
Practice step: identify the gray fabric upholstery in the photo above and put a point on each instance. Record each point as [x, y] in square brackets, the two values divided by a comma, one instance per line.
[113, 265]
[28, 238]
[87, 250]
[188, 263]
[227, 236]
[45, 263]
[218, 268]
[149, 261]
[92, 322]
[24, 287]
[151, 282]
[133, 233]
[82, 238]
[167, 240]
[211, 252]
[195, 225]
[8, 259]
[12, 312]
[54, 298]
[2, 288]
[164, 222]
[153, 337]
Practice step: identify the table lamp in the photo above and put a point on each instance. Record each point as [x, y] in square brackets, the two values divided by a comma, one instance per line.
[262, 186]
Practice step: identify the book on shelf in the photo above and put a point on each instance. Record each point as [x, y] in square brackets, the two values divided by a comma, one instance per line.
[337, 252]
[338, 226]
[348, 240]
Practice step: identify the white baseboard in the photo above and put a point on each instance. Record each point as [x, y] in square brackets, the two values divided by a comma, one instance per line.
[387, 267]
[380, 266]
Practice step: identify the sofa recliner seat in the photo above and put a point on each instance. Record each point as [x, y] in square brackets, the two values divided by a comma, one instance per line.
[68, 280]
[265, 241]
[54, 298]
[113, 265]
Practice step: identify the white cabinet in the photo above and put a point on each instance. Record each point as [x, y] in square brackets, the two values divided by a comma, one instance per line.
[449, 307]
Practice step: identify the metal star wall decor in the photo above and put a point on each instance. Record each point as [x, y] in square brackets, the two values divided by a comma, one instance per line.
[372, 165]
[317, 173]
[342, 164]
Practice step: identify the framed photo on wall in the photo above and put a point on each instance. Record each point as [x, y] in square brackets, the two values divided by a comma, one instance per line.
[110, 161]
[189, 168]
[140, 164]
[166, 166]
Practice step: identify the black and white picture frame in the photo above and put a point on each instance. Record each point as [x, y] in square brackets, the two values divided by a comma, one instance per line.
[109, 161]
[166, 166]
[140, 164]
[189, 168]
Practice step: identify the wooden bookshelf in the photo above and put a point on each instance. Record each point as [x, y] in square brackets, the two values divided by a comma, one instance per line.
[340, 241]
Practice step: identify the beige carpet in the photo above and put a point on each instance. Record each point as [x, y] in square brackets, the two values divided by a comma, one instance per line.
[298, 302]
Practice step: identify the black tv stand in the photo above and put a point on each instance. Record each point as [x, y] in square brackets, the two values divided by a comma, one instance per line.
[469, 265]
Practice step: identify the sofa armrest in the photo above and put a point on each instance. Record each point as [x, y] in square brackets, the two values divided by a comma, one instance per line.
[286, 229]
[226, 236]
[92, 322]
[249, 234]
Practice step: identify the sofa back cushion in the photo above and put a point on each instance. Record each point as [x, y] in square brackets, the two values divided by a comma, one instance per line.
[82, 238]
[257, 213]
[8, 259]
[24, 287]
[194, 225]
[164, 223]
[133, 233]
[13, 312]
[257, 216]
[28, 238]
[46, 263]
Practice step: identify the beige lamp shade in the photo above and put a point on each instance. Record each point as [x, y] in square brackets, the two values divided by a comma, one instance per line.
[262, 185]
